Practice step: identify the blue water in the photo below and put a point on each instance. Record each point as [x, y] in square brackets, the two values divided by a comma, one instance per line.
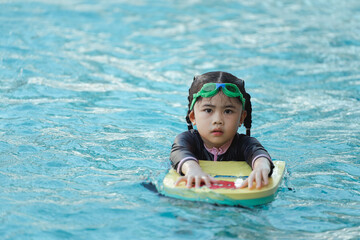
[92, 94]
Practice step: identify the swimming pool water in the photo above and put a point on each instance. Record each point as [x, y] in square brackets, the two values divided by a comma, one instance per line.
[92, 94]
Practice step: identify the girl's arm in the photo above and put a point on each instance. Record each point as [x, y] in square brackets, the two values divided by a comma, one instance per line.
[194, 173]
[260, 174]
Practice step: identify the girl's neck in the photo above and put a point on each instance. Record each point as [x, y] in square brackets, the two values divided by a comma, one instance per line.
[218, 151]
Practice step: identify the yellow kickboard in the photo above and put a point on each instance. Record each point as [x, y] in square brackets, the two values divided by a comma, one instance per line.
[231, 171]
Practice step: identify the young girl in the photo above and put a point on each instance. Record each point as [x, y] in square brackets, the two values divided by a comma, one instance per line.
[218, 106]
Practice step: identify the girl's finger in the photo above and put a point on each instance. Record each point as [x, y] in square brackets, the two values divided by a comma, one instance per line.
[207, 180]
[244, 183]
[181, 179]
[251, 180]
[197, 181]
[265, 177]
[212, 179]
[189, 182]
[258, 180]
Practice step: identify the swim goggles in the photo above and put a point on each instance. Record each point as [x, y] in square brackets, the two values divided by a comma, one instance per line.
[211, 89]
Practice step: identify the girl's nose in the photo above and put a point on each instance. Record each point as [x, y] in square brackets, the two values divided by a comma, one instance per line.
[217, 120]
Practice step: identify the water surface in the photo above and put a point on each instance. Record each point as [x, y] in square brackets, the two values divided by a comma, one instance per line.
[92, 94]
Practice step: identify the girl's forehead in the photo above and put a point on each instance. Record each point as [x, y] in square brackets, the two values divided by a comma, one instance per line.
[220, 100]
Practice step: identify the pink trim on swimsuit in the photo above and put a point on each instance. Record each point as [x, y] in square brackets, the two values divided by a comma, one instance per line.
[183, 161]
[218, 151]
[259, 156]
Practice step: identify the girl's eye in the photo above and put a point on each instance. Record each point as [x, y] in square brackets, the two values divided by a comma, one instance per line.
[208, 110]
[228, 111]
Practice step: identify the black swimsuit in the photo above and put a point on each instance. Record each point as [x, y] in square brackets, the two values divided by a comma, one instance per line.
[189, 146]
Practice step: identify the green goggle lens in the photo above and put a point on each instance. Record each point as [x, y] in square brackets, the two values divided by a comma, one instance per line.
[211, 89]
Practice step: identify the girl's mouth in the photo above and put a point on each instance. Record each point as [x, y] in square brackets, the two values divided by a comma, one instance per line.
[217, 132]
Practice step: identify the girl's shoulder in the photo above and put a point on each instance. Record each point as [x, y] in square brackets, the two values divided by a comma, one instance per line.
[242, 138]
[188, 136]
[192, 132]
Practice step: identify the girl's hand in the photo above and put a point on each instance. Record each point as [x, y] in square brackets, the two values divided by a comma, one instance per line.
[194, 173]
[260, 174]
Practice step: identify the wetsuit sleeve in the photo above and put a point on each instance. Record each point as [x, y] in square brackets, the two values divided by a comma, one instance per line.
[252, 150]
[183, 149]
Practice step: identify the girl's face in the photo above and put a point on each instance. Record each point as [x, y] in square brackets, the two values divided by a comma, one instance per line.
[217, 119]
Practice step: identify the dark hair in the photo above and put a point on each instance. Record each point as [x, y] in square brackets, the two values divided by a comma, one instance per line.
[220, 77]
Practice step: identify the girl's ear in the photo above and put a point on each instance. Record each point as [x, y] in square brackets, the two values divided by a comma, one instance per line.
[242, 118]
[192, 117]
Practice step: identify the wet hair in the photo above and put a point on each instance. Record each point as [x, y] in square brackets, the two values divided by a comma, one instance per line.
[220, 77]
